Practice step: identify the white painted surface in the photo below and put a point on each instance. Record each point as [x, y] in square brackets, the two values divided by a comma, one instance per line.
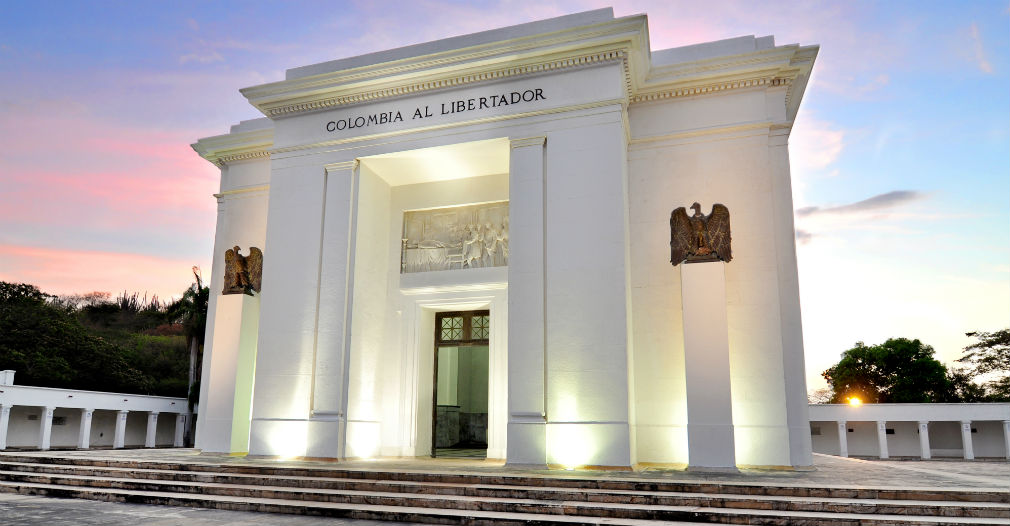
[527, 431]
[152, 428]
[84, 433]
[924, 451]
[586, 361]
[913, 430]
[706, 366]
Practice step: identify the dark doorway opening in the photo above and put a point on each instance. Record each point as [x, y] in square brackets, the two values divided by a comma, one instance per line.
[459, 415]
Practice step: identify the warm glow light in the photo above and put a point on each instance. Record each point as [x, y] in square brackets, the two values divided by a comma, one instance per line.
[855, 401]
[570, 445]
[287, 442]
[363, 440]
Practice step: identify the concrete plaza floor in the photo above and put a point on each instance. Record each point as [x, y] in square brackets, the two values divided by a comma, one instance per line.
[829, 471]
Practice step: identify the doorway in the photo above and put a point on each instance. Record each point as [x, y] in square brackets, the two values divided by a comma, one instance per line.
[460, 399]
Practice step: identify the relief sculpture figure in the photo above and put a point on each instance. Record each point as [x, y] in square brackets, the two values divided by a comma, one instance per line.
[698, 237]
[242, 274]
[455, 238]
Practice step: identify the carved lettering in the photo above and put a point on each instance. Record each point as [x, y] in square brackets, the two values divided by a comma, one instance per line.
[494, 100]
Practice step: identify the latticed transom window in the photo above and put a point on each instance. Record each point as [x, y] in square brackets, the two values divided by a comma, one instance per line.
[452, 328]
[480, 326]
[472, 327]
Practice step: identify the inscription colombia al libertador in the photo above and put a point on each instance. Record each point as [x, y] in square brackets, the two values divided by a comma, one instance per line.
[495, 100]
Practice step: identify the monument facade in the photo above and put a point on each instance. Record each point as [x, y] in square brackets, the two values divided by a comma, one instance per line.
[467, 244]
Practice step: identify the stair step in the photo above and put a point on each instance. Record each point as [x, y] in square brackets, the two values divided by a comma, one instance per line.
[529, 480]
[560, 511]
[355, 491]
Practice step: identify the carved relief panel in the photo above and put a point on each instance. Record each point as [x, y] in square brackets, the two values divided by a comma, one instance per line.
[457, 237]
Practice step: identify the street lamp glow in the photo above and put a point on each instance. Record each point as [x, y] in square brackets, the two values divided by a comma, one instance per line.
[855, 401]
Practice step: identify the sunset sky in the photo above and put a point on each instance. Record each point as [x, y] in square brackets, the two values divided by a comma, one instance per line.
[900, 153]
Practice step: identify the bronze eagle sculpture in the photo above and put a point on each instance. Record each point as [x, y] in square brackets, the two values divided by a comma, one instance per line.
[699, 237]
[242, 274]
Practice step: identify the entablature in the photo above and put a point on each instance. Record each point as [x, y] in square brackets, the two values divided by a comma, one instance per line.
[236, 146]
[623, 39]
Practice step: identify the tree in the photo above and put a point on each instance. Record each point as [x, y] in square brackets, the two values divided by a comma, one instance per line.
[820, 395]
[989, 358]
[191, 311]
[49, 347]
[897, 371]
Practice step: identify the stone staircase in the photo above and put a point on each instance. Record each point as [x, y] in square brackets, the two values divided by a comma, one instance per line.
[498, 498]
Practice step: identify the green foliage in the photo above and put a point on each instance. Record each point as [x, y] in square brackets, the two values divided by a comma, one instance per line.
[49, 347]
[127, 344]
[989, 359]
[897, 371]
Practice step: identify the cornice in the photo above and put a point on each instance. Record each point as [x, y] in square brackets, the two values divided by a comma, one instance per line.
[536, 54]
[358, 97]
[704, 89]
[784, 66]
[234, 147]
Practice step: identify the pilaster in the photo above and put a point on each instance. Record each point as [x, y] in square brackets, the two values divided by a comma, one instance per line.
[527, 425]
[328, 419]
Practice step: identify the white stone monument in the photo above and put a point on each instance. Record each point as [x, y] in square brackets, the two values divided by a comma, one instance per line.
[528, 171]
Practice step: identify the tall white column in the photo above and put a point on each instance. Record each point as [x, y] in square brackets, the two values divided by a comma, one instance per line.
[969, 452]
[924, 452]
[120, 437]
[5, 417]
[180, 430]
[1006, 437]
[526, 441]
[152, 429]
[882, 438]
[84, 434]
[710, 440]
[46, 427]
[843, 438]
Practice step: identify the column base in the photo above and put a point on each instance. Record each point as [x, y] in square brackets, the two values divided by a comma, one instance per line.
[526, 444]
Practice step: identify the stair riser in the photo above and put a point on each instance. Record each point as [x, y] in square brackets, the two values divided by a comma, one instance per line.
[432, 518]
[615, 510]
[534, 482]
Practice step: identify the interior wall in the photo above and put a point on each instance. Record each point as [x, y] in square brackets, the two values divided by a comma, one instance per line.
[473, 380]
[448, 376]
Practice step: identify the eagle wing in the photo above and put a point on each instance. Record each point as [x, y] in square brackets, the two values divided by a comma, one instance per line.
[229, 271]
[254, 266]
[680, 236]
[717, 229]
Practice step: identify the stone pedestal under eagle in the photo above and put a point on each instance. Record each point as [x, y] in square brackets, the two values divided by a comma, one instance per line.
[698, 237]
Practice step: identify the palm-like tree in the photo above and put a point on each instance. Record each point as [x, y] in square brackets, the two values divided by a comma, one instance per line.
[191, 311]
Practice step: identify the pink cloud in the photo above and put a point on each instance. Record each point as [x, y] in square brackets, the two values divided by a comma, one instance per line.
[72, 271]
